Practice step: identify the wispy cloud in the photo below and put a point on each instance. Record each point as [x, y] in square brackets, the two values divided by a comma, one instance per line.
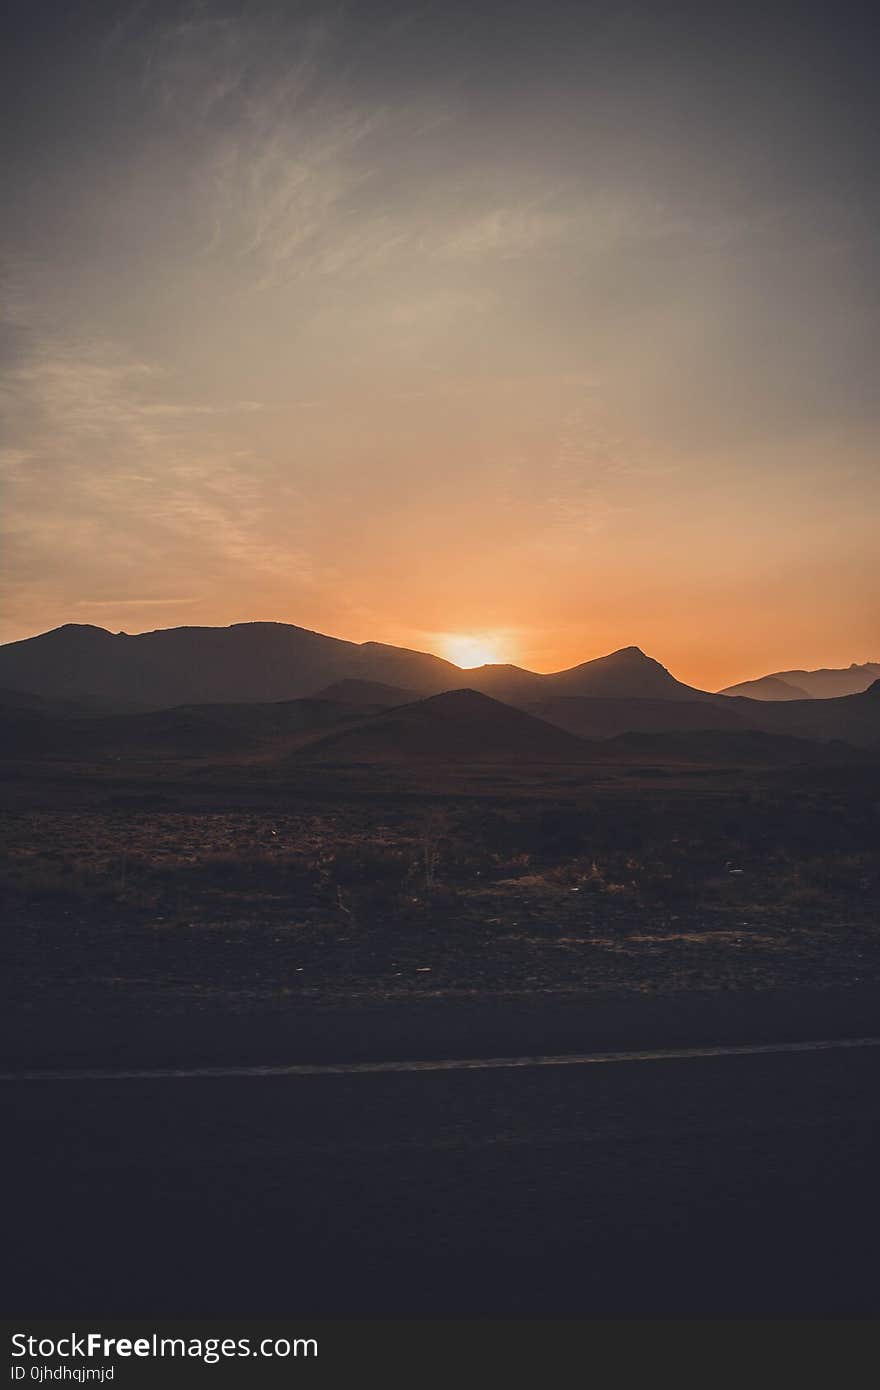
[291, 161]
[504, 232]
[104, 474]
[325, 309]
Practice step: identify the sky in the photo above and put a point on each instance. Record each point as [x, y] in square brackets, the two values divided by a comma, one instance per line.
[514, 330]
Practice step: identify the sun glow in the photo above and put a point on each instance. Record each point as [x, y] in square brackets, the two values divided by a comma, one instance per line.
[471, 649]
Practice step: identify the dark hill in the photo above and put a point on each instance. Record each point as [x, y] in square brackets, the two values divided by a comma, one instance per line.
[826, 684]
[459, 726]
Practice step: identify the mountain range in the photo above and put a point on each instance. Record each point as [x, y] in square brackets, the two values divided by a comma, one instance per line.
[195, 690]
[276, 661]
[825, 684]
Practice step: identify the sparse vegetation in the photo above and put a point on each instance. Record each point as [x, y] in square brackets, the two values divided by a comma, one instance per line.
[392, 893]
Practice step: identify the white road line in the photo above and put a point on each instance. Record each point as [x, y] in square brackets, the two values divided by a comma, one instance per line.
[672, 1054]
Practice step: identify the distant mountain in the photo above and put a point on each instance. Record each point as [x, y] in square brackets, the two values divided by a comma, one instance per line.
[825, 684]
[767, 688]
[458, 726]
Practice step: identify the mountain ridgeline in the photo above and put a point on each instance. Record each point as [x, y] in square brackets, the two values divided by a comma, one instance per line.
[80, 691]
[275, 661]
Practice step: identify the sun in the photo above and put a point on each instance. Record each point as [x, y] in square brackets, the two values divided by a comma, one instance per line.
[471, 649]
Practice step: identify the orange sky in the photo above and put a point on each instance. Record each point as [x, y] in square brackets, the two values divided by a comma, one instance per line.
[415, 331]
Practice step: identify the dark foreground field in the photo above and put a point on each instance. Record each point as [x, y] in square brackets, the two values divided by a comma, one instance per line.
[218, 890]
[171, 916]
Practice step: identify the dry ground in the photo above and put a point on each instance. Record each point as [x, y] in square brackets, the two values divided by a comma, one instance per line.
[332, 891]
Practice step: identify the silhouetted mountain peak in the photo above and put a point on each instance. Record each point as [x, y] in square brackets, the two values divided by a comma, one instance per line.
[631, 657]
[456, 724]
[88, 630]
[628, 673]
[464, 701]
[624, 659]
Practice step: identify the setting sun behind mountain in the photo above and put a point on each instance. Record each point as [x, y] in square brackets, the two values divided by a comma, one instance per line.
[472, 649]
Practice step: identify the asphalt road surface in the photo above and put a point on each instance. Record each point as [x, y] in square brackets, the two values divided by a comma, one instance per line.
[741, 1184]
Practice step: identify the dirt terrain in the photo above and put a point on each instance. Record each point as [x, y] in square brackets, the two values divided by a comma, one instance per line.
[160, 888]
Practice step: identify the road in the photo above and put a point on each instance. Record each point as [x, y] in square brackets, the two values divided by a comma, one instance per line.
[730, 1185]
